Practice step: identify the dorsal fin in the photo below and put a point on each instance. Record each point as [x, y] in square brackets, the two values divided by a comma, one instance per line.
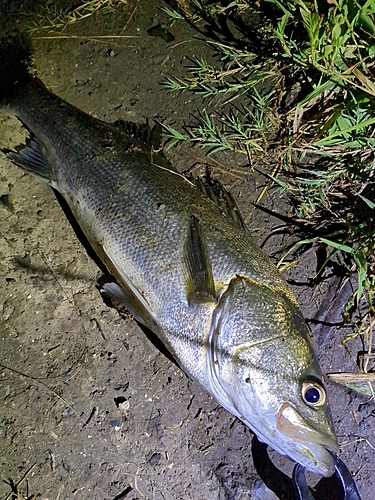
[223, 199]
[142, 132]
[149, 138]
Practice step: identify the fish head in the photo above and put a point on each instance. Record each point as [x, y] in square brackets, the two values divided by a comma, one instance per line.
[262, 368]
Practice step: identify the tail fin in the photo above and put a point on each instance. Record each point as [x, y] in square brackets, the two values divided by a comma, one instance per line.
[15, 60]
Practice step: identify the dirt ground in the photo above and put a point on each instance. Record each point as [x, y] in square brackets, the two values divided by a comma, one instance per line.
[89, 408]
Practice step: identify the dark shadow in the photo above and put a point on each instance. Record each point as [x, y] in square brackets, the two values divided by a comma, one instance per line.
[158, 344]
[272, 477]
[328, 488]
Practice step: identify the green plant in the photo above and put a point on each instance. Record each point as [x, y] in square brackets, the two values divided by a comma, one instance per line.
[240, 131]
[339, 42]
[330, 48]
[48, 16]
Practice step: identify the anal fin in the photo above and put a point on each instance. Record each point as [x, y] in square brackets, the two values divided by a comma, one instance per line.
[127, 292]
[131, 301]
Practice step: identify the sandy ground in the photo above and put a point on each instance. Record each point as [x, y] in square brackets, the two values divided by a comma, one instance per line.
[88, 406]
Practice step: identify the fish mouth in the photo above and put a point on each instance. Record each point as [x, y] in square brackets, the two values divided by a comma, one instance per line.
[290, 423]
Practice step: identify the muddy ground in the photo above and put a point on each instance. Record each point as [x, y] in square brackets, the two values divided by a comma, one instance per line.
[89, 407]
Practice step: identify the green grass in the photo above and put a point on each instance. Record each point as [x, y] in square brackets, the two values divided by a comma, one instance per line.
[339, 40]
[49, 16]
[308, 93]
[238, 131]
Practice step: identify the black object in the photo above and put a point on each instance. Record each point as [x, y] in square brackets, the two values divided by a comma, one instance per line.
[303, 492]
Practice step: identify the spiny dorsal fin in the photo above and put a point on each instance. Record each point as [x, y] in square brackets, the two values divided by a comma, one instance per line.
[142, 132]
[223, 199]
[149, 138]
[200, 286]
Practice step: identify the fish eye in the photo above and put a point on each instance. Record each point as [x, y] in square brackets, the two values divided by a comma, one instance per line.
[313, 394]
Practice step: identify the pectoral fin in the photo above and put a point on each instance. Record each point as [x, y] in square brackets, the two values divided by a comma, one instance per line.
[200, 286]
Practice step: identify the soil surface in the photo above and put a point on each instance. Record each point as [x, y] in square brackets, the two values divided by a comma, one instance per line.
[89, 407]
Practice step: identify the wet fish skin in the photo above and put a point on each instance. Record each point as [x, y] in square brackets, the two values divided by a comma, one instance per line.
[185, 270]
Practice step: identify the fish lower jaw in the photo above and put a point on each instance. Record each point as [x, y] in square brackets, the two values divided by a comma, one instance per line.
[313, 457]
[317, 459]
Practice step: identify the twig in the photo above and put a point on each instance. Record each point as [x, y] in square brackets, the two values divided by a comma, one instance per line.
[15, 486]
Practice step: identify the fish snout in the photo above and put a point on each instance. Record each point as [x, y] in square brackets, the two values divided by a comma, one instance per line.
[313, 444]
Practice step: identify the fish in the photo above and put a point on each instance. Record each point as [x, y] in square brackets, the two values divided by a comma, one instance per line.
[184, 264]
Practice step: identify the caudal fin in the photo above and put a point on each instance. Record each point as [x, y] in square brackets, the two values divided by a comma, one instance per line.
[15, 59]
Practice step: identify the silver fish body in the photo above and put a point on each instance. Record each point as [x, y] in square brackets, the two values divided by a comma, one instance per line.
[186, 270]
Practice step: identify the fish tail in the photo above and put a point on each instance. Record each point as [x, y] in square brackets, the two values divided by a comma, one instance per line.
[15, 60]
[15, 76]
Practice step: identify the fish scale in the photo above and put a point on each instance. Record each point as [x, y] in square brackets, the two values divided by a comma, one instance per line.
[183, 267]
